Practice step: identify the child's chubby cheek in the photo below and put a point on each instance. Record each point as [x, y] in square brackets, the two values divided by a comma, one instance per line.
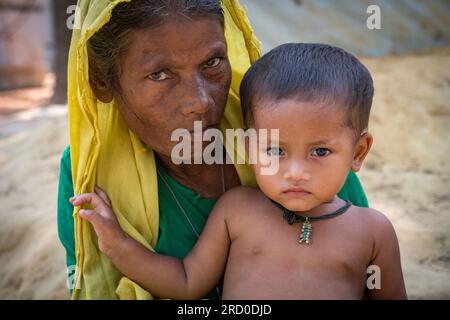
[269, 187]
[297, 197]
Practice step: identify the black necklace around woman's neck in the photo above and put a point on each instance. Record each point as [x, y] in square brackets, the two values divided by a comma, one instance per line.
[306, 232]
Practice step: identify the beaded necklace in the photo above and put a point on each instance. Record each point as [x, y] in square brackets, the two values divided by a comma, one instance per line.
[305, 236]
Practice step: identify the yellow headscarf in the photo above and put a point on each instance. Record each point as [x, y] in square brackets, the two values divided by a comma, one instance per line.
[105, 152]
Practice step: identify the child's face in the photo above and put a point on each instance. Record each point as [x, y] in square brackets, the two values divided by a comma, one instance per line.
[315, 153]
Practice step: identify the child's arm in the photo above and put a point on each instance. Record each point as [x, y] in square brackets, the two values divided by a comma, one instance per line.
[386, 256]
[163, 276]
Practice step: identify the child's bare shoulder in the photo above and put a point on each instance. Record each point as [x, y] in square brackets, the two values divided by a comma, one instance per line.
[242, 197]
[240, 200]
[239, 207]
[375, 222]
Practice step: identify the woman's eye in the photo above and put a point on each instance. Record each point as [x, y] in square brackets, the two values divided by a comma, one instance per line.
[158, 76]
[321, 152]
[275, 152]
[214, 62]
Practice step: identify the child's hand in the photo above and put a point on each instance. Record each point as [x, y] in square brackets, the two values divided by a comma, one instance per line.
[110, 234]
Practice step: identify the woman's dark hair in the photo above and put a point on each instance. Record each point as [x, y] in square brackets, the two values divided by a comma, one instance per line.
[107, 45]
[317, 73]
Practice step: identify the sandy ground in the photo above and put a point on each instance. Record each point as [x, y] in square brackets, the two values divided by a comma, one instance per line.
[406, 176]
[407, 173]
[32, 261]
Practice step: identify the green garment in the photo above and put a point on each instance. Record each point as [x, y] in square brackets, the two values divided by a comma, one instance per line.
[176, 237]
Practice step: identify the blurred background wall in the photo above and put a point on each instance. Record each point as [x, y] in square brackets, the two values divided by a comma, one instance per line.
[26, 43]
[406, 25]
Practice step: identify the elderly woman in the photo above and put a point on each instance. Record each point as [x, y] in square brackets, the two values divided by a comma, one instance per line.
[138, 70]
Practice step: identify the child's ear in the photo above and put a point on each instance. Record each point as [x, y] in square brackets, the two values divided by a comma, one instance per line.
[361, 150]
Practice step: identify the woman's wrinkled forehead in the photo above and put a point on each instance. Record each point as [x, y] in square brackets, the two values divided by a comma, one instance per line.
[143, 14]
[107, 46]
[178, 43]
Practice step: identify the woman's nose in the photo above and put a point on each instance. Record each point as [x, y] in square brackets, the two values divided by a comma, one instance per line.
[196, 98]
[297, 171]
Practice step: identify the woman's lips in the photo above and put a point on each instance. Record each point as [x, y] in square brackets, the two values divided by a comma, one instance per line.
[203, 129]
[197, 134]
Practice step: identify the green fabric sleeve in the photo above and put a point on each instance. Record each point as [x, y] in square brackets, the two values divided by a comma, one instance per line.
[65, 209]
[353, 191]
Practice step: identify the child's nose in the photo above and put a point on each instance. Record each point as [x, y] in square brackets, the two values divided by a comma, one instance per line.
[297, 171]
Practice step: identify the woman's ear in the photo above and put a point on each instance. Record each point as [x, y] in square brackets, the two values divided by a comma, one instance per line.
[362, 148]
[99, 84]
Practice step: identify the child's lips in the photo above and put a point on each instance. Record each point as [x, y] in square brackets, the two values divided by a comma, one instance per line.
[296, 191]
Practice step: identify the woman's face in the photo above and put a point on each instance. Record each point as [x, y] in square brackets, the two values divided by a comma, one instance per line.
[171, 76]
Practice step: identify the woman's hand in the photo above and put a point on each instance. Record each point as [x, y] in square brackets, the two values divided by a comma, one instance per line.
[111, 237]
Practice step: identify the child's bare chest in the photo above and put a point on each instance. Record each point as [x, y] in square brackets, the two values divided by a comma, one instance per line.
[269, 262]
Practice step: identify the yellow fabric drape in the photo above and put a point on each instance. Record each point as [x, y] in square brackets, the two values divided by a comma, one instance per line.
[105, 152]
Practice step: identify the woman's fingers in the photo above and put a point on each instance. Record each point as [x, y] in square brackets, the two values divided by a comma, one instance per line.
[102, 194]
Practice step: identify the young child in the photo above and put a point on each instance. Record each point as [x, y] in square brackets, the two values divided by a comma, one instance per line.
[292, 238]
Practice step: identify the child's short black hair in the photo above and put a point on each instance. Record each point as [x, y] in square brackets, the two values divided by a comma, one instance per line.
[310, 72]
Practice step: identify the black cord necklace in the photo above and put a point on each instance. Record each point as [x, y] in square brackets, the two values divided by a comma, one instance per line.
[306, 232]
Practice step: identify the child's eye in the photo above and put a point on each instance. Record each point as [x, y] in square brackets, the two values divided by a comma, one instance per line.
[214, 62]
[321, 152]
[159, 76]
[275, 152]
